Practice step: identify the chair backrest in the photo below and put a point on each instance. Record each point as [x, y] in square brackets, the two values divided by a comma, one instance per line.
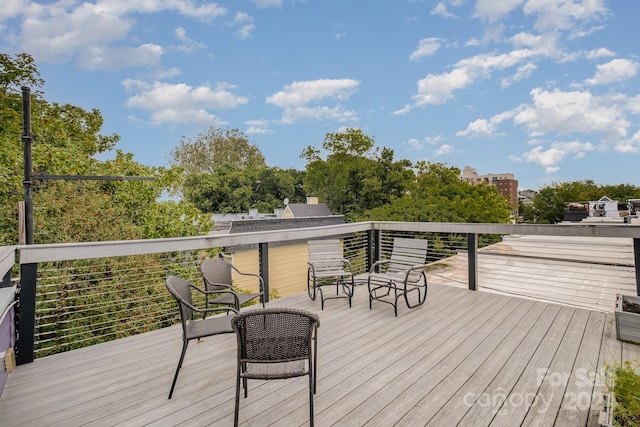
[407, 253]
[274, 334]
[325, 255]
[215, 270]
[181, 291]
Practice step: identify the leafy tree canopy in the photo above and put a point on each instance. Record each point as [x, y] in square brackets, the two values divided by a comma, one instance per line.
[549, 203]
[440, 196]
[355, 175]
[214, 149]
[231, 189]
[225, 173]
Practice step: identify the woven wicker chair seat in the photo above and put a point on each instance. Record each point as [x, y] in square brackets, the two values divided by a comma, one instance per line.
[209, 326]
[268, 371]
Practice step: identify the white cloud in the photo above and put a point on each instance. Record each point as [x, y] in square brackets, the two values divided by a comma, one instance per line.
[426, 47]
[523, 73]
[120, 57]
[301, 93]
[444, 149]
[492, 10]
[188, 45]
[614, 71]
[441, 9]
[433, 140]
[66, 30]
[414, 143]
[482, 128]
[564, 14]
[257, 127]
[294, 99]
[262, 4]
[437, 89]
[602, 52]
[567, 112]
[551, 157]
[629, 145]
[245, 23]
[479, 128]
[181, 103]
[12, 8]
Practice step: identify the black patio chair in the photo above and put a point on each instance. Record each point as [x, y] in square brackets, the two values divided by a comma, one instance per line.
[327, 267]
[276, 343]
[216, 274]
[195, 328]
[400, 275]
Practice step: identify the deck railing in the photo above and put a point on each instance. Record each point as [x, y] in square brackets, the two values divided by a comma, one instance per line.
[73, 295]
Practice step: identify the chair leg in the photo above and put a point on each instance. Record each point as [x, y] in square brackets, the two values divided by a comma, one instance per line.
[310, 400]
[175, 378]
[245, 384]
[237, 408]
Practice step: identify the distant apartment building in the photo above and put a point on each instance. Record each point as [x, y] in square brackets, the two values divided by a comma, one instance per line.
[505, 183]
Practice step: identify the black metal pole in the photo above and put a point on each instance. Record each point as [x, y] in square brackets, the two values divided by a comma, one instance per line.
[263, 254]
[636, 258]
[28, 166]
[472, 260]
[26, 328]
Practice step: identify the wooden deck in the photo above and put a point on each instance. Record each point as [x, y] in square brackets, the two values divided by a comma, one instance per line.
[463, 358]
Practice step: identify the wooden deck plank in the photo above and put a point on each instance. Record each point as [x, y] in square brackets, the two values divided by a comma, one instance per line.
[374, 368]
[535, 353]
[482, 365]
[580, 385]
[412, 407]
[386, 365]
[553, 382]
[513, 348]
[514, 410]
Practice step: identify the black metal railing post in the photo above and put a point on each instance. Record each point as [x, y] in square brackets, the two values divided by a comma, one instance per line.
[263, 255]
[472, 260]
[636, 258]
[373, 247]
[25, 344]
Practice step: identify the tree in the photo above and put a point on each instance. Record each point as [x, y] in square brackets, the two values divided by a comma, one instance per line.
[356, 175]
[216, 148]
[231, 189]
[440, 196]
[225, 173]
[549, 203]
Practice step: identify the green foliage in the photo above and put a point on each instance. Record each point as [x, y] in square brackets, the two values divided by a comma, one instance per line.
[625, 385]
[216, 148]
[440, 196]
[18, 71]
[549, 203]
[356, 175]
[231, 189]
[225, 173]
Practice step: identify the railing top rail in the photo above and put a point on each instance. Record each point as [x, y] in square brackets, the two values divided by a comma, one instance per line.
[30, 254]
[580, 230]
[70, 251]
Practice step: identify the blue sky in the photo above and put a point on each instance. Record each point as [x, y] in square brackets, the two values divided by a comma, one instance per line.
[545, 89]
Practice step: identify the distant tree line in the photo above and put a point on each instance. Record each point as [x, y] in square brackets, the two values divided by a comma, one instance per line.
[548, 204]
